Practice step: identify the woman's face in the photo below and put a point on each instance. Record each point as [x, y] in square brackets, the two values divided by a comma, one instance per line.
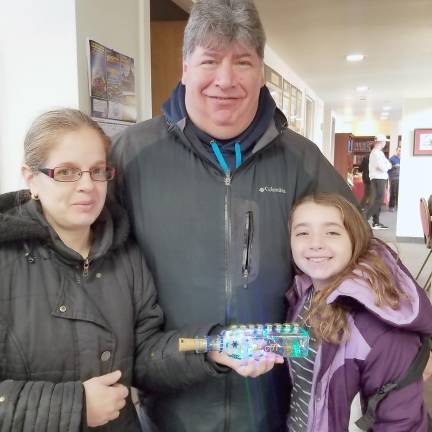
[72, 206]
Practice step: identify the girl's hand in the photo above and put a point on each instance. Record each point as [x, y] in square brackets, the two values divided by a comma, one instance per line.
[105, 397]
[247, 367]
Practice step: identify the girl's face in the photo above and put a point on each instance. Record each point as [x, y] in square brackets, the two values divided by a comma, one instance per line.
[320, 244]
[72, 206]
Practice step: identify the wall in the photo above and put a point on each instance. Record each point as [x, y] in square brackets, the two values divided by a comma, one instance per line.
[123, 26]
[416, 171]
[38, 71]
[328, 135]
[318, 132]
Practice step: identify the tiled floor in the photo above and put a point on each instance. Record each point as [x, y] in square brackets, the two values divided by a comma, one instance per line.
[412, 255]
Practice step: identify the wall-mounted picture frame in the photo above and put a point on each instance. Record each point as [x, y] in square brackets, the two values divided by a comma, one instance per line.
[422, 142]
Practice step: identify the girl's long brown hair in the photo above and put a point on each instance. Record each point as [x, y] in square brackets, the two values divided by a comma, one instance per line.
[329, 322]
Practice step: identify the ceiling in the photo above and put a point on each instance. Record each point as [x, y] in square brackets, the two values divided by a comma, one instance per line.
[314, 36]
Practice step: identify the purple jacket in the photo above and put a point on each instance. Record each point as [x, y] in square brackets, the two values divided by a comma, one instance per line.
[382, 345]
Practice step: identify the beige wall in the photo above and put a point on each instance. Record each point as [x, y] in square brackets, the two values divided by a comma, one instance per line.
[123, 26]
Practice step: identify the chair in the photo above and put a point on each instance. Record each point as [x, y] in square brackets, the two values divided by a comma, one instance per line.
[426, 220]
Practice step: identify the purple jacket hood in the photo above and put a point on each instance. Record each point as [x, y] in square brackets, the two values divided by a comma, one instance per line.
[413, 313]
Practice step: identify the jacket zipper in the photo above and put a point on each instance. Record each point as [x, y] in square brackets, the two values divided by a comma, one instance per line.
[86, 265]
[247, 245]
[228, 288]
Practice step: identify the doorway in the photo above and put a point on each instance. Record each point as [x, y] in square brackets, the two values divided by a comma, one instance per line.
[167, 23]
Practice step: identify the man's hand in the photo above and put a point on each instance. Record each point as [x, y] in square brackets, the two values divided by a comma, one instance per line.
[248, 367]
[105, 397]
[427, 373]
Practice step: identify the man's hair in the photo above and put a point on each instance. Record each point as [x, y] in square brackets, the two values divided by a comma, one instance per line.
[214, 23]
[329, 322]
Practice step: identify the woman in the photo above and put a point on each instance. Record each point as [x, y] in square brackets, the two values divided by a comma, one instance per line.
[79, 322]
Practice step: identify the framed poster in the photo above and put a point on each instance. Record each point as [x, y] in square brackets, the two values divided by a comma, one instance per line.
[111, 84]
[422, 142]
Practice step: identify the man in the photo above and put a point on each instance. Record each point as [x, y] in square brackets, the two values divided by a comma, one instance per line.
[209, 187]
[394, 180]
[364, 169]
[378, 167]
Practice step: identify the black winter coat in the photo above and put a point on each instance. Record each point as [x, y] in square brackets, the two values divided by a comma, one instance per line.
[218, 248]
[61, 325]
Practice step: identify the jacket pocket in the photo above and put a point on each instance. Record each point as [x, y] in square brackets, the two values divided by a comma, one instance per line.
[244, 256]
[247, 245]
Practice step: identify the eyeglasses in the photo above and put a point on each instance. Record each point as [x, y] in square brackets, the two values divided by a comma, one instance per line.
[70, 174]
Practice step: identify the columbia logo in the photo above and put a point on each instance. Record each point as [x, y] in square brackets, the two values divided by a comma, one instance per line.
[272, 189]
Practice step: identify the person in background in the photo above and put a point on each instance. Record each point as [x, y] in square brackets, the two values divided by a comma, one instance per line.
[209, 186]
[394, 180]
[378, 174]
[364, 169]
[367, 318]
[79, 319]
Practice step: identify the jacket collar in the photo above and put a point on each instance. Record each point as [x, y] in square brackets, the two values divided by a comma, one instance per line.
[21, 219]
[359, 290]
[266, 126]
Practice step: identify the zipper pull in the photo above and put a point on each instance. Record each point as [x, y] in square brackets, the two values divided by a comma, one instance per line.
[86, 265]
[228, 178]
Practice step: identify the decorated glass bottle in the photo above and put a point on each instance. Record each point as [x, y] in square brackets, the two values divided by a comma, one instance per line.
[241, 342]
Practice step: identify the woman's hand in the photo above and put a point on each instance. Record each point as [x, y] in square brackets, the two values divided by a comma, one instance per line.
[105, 397]
[247, 367]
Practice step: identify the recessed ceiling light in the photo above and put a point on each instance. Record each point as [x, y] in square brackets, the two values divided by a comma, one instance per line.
[362, 89]
[354, 57]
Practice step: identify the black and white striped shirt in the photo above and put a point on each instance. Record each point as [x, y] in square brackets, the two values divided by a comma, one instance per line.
[302, 371]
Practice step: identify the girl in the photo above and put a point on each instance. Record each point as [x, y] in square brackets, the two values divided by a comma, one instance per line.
[365, 314]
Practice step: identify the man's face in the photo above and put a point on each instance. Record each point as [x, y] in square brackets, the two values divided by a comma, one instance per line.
[222, 88]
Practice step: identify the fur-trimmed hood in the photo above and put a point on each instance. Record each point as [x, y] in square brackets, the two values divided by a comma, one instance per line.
[21, 219]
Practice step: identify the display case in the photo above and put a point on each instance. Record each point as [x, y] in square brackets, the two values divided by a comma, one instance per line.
[361, 146]
[343, 157]
[288, 98]
[274, 84]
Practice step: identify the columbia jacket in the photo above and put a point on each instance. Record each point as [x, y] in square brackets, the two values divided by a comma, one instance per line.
[61, 323]
[218, 248]
[382, 345]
